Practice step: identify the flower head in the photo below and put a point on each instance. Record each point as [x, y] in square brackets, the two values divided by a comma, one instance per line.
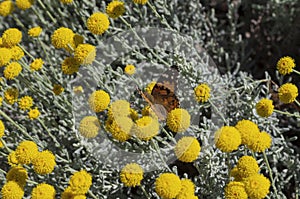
[149, 87]
[247, 166]
[2, 128]
[98, 23]
[11, 190]
[119, 108]
[115, 9]
[131, 175]
[37, 64]
[257, 186]
[25, 103]
[26, 152]
[285, 65]
[261, 143]
[235, 190]
[11, 95]
[35, 31]
[119, 127]
[24, 4]
[228, 139]
[57, 89]
[187, 189]
[6, 8]
[140, 1]
[16, 53]
[187, 149]
[66, 1]
[44, 191]
[33, 113]
[168, 185]
[17, 174]
[202, 93]
[248, 130]
[99, 100]
[69, 66]
[80, 182]
[12, 70]
[44, 162]
[12, 159]
[85, 54]
[287, 93]
[5, 56]
[178, 120]
[63, 38]
[129, 69]
[89, 126]
[264, 107]
[234, 172]
[11, 37]
[146, 128]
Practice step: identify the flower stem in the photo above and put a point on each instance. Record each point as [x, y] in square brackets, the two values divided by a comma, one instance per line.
[297, 72]
[145, 192]
[47, 11]
[287, 113]
[92, 195]
[271, 174]
[5, 146]
[49, 133]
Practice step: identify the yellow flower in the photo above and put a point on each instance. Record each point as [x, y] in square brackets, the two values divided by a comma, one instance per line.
[257, 186]
[262, 142]
[78, 89]
[26, 152]
[6, 8]
[25, 103]
[129, 69]
[119, 127]
[44, 191]
[115, 9]
[17, 174]
[149, 87]
[287, 93]
[131, 175]
[24, 4]
[5, 56]
[37, 64]
[98, 101]
[264, 107]
[66, 1]
[235, 190]
[134, 114]
[187, 189]
[16, 53]
[79, 197]
[85, 54]
[247, 166]
[167, 185]
[178, 120]
[11, 37]
[2, 128]
[11, 190]
[33, 113]
[1, 99]
[187, 149]
[57, 89]
[285, 65]
[67, 193]
[11, 95]
[235, 174]
[80, 182]
[44, 162]
[202, 93]
[119, 108]
[89, 126]
[98, 23]
[12, 159]
[228, 139]
[248, 130]
[69, 66]
[146, 127]
[63, 38]
[35, 31]
[140, 1]
[12, 70]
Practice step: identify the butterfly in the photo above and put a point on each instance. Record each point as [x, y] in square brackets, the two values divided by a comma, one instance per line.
[163, 97]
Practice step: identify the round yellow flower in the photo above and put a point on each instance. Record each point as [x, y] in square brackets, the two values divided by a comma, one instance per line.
[12, 70]
[187, 189]
[247, 166]
[16, 53]
[69, 66]
[98, 23]
[85, 54]
[119, 127]
[178, 120]
[12, 159]
[257, 186]
[248, 130]
[129, 69]
[17, 174]
[264, 107]
[119, 108]
[235, 190]
[2, 128]
[146, 128]
[44, 162]
[115, 9]
[44, 191]
[24, 4]
[262, 142]
[98, 101]
[131, 175]
[5, 56]
[187, 149]
[149, 87]
[11, 37]
[63, 38]
[25, 103]
[228, 139]
[6, 8]
[26, 152]
[140, 1]
[202, 93]
[11, 190]
[67, 193]
[66, 1]
[285, 65]
[57, 89]
[35, 31]
[287, 93]
[33, 113]
[80, 182]
[235, 174]
[11, 95]
[168, 185]
[89, 126]
[37, 64]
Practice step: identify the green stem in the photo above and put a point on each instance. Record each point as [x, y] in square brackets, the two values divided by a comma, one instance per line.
[26, 52]
[287, 113]
[145, 192]
[92, 195]
[271, 174]
[47, 11]
[5, 146]
[297, 102]
[49, 133]
[218, 111]
[159, 154]
[32, 182]
[162, 19]
[44, 49]
[19, 22]
[297, 72]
